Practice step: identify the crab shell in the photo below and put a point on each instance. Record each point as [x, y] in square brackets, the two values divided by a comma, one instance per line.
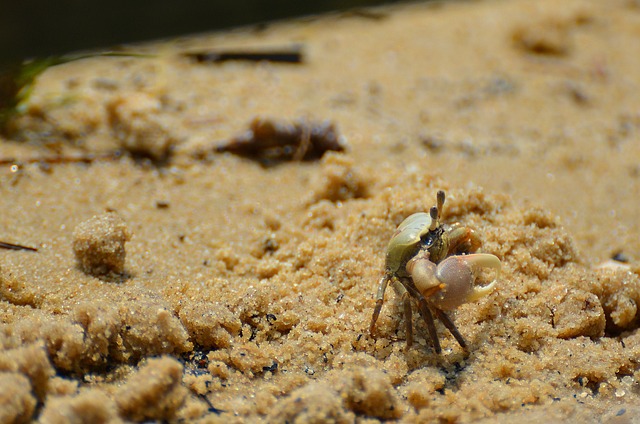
[405, 242]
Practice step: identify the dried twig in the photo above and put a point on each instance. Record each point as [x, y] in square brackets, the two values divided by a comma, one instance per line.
[12, 246]
[291, 55]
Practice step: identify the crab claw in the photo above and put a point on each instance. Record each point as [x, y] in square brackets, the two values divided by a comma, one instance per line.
[451, 283]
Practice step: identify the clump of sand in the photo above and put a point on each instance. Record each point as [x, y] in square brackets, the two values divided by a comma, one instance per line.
[99, 244]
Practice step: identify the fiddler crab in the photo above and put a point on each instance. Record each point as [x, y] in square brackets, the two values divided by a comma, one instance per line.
[436, 265]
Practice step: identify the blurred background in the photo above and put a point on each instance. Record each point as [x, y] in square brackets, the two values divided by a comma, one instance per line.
[33, 28]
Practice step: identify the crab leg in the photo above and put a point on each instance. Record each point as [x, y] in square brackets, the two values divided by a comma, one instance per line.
[408, 314]
[442, 316]
[382, 287]
[406, 301]
[425, 312]
[431, 326]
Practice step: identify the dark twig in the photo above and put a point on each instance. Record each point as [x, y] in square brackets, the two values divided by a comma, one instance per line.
[12, 246]
[291, 55]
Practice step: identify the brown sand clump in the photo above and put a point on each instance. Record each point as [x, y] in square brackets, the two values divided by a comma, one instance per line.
[96, 334]
[17, 290]
[340, 397]
[339, 180]
[99, 244]
[367, 391]
[129, 331]
[30, 361]
[316, 402]
[89, 406]
[155, 392]
[621, 297]
[210, 326]
[140, 122]
[17, 400]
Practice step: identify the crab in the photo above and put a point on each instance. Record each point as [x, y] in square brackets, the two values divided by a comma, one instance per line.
[436, 265]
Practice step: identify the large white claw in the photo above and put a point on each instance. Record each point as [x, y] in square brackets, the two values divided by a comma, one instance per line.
[484, 260]
[452, 282]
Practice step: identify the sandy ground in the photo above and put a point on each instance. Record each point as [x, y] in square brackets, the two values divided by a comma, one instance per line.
[178, 283]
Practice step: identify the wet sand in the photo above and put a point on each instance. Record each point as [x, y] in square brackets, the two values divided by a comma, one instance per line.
[174, 281]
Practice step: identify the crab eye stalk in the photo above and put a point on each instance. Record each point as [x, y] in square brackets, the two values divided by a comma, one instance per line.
[440, 202]
[434, 218]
